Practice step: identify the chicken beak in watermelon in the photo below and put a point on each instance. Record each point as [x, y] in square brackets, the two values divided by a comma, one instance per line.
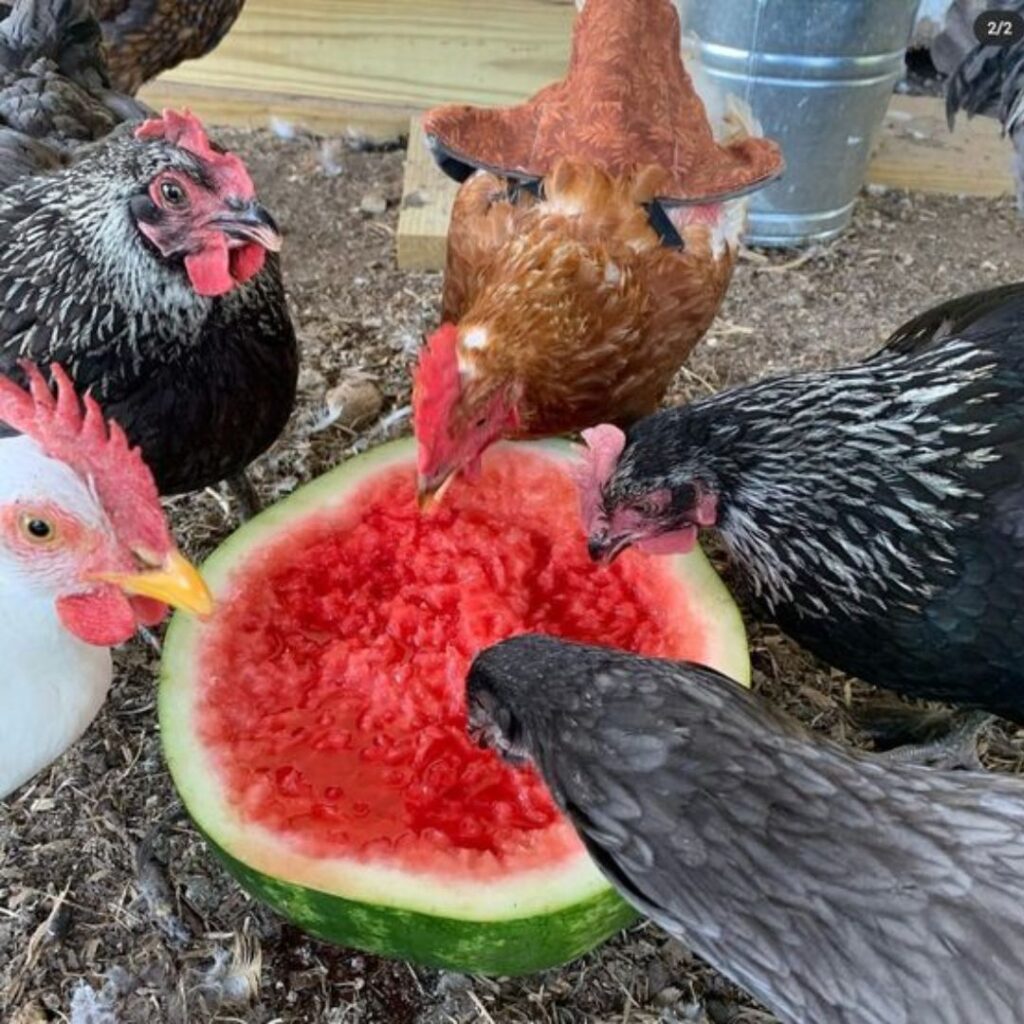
[430, 492]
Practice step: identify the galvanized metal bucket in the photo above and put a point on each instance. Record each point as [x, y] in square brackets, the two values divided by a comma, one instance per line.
[818, 74]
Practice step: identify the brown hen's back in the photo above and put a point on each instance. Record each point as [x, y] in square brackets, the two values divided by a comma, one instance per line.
[576, 297]
[144, 38]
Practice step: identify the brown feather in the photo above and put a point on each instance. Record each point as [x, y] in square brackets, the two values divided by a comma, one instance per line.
[583, 305]
[144, 38]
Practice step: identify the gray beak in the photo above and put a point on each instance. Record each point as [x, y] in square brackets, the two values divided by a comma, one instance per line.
[604, 549]
[251, 223]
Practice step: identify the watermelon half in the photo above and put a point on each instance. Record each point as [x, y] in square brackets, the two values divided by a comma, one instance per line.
[315, 727]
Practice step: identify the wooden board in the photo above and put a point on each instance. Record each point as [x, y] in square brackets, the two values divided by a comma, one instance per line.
[329, 64]
[915, 150]
[427, 197]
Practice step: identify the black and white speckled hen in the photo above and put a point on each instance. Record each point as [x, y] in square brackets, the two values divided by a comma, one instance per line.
[136, 255]
[835, 887]
[876, 511]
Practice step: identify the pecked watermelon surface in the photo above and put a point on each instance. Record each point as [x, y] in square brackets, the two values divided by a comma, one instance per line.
[315, 726]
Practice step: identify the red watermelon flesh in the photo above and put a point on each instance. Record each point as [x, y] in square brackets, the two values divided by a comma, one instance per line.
[333, 702]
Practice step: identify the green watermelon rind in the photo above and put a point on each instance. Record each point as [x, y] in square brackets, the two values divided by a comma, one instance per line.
[516, 946]
[531, 922]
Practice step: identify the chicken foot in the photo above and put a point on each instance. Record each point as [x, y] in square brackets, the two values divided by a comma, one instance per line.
[956, 748]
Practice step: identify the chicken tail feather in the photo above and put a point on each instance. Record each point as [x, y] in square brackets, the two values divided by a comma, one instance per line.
[982, 79]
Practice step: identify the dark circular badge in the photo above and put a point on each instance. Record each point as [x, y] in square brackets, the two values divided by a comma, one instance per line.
[998, 28]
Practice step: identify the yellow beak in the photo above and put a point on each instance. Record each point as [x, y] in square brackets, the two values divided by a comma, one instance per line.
[176, 583]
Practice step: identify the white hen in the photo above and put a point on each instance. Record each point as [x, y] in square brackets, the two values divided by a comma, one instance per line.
[85, 557]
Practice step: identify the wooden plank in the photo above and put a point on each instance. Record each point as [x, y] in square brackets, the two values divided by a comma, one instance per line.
[915, 150]
[324, 64]
[246, 109]
[427, 197]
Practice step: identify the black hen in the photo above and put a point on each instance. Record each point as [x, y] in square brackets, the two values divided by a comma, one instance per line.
[835, 888]
[984, 79]
[876, 511]
[139, 262]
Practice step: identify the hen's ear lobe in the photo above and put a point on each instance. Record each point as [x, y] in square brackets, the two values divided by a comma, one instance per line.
[706, 509]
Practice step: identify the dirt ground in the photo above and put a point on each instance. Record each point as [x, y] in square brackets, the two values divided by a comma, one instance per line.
[111, 909]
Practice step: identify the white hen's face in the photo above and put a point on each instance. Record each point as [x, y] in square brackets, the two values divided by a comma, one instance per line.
[56, 541]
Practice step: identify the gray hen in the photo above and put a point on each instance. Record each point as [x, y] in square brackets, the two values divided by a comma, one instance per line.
[835, 888]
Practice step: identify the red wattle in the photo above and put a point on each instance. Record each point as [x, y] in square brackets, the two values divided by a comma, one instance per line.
[148, 611]
[208, 269]
[103, 618]
[247, 261]
[678, 542]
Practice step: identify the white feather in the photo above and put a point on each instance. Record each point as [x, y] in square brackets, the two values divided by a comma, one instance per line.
[53, 684]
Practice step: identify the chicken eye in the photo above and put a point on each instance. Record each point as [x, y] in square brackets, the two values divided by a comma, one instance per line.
[38, 530]
[173, 193]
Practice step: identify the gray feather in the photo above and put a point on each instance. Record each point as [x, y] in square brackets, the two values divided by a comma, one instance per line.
[836, 889]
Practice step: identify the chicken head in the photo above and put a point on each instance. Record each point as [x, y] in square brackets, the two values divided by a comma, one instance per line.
[80, 519]
[200, 207]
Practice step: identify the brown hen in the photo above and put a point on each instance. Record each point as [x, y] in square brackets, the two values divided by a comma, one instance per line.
[590, 245]
[144, 38]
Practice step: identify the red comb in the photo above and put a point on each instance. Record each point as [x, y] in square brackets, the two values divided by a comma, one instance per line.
[436, 386]
[604, 445]
[184, 129]
[99, 452]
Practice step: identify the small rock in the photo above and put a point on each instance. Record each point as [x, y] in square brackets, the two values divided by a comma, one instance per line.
[668, 996]
[350, 403]
[415, 199]
[373, 203]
